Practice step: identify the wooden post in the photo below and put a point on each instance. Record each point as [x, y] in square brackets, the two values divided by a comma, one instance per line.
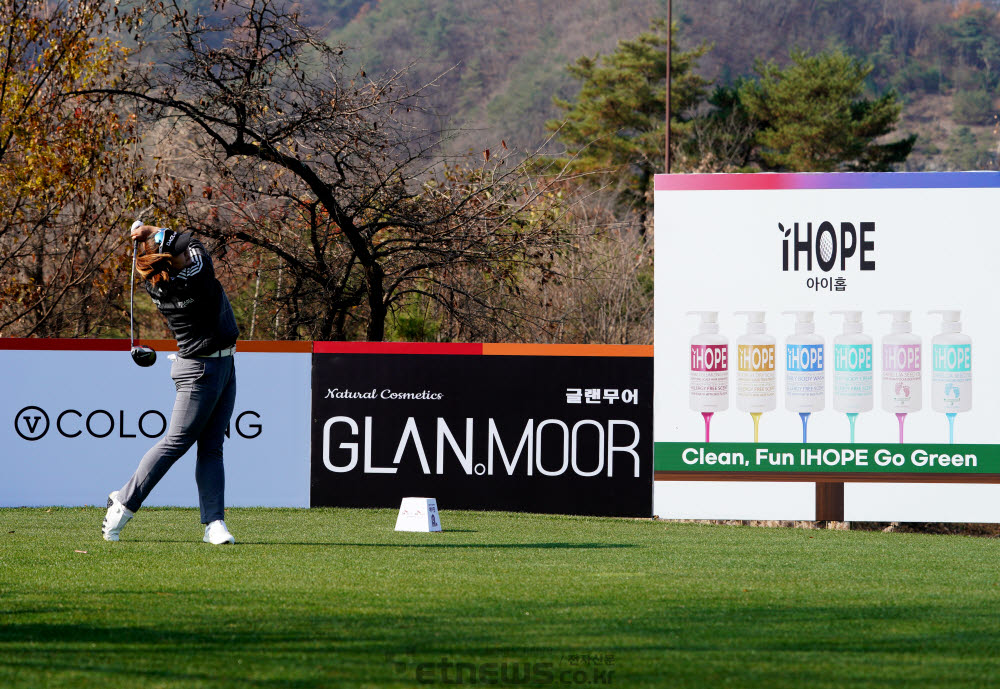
[830, 502]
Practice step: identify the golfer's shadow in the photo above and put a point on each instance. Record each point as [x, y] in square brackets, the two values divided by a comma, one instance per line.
[343, 544]
[501, 546]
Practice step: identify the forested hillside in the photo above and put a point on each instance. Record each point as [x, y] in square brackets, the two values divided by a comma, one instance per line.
[494, 65]
[366, 169]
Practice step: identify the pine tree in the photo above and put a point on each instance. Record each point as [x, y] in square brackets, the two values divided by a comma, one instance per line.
[814, 116]
[616, 124]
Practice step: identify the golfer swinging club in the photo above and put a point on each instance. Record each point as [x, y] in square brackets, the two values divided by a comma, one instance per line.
[180, 278]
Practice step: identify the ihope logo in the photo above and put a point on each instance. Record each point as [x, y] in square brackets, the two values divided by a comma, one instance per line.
[800, 244]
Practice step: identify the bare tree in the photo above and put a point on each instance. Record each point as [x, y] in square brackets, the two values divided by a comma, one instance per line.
[319, 170]
[600, 289]
[65, 171]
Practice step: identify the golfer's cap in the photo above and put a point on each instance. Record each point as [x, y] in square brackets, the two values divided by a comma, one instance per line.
[170, 242]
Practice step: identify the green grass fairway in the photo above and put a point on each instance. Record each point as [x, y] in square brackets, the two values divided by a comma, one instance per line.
[336, 598]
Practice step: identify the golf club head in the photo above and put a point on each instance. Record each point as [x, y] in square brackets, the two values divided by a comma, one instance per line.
[143, 356]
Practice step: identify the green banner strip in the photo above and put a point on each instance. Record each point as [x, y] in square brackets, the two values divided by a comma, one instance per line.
[826, 458]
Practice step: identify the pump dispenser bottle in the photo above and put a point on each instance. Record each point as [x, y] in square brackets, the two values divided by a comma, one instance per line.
[805, 375]
[901, 365]
[853, 387]
[755, 375]
[951, 359]
[708, 389]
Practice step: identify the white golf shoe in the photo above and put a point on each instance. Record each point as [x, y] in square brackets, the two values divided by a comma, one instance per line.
[116, 518]
[216, 533]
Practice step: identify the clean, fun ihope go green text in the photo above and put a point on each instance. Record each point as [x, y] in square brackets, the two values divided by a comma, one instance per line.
[831, 457]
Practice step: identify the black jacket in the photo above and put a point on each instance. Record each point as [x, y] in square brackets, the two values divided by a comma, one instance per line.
[197, 310]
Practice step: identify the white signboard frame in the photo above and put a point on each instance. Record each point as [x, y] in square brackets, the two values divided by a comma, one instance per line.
[915, 242]
[79, 415]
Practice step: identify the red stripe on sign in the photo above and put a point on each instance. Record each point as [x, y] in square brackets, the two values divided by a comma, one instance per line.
[275, 346]
[720, 181]
[67, 344]
[121, 345]
[567, 350]
[397, 348]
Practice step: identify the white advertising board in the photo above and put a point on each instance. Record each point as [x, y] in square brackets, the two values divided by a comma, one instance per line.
[820, 243]
[76, 423]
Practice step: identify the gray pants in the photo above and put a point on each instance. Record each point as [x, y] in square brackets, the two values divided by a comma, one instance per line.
[206, 394]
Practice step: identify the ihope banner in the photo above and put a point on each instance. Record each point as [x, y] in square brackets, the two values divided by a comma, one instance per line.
[810, 325]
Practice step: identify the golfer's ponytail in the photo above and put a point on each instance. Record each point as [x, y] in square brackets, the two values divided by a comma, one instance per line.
[150, 265]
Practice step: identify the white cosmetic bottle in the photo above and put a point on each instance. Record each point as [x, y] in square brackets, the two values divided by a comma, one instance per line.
[709, 382]
[708, 387]
[805, 377]
[951, 361]
[853, 383]
[756, 380]
[901, 367]
[805, 366]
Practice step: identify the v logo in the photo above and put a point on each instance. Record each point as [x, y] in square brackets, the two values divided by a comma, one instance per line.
[28, 418]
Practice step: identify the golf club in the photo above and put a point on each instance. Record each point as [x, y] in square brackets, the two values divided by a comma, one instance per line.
[141, 354]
